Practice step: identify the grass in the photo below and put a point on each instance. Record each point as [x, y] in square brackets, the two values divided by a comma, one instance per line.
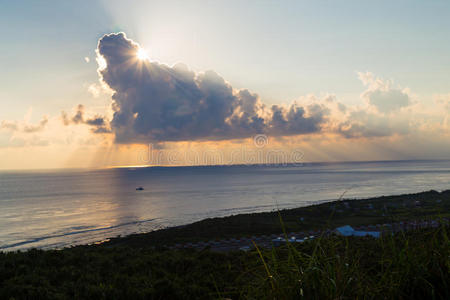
[414, 265]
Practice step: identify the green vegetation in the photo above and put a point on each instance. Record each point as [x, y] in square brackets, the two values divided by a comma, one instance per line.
[412, 266]
[407, 265]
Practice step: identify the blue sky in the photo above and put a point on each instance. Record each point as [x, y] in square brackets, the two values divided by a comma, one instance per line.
[282, 50]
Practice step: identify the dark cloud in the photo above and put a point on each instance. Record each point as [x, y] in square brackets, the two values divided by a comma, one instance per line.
[155, 102]
[78, 117]
[98, 122]
[293, 120]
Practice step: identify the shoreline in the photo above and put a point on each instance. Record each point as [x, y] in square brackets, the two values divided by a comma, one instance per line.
[356, 212]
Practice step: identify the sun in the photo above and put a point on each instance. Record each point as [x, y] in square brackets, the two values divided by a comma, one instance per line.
[142, 54]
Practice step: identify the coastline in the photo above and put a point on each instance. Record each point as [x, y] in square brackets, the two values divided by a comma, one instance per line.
[325, 215]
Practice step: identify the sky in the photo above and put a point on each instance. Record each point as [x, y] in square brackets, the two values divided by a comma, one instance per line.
[332, 80]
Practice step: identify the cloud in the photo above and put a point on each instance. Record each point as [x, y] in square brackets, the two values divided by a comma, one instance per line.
[387, 101]
[443, 101]
[9, 125]
[36, 128]
[388, 111]
[99, 124]
[297, 119]
[155, 102]
[98, 89]
[443, 106]
[381, 95]
[15, 126]
[362, 123]
[94, 90]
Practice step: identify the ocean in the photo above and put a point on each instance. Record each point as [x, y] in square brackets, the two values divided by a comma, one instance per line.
[60, 208]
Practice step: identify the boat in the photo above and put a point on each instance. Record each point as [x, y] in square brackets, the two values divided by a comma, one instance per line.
[139, 188]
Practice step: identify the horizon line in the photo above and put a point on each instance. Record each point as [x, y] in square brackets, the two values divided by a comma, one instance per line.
[220, 165]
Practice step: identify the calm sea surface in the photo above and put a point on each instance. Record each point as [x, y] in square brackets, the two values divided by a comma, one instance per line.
[53, 209]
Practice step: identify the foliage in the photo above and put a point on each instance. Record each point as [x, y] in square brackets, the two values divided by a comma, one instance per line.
[404, 266]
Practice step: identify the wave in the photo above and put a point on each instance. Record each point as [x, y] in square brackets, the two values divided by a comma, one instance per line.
[38, 239]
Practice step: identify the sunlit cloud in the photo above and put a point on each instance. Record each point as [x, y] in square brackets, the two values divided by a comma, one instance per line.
[382, 95]
[155, 102]
[25, 127]
[95, 90]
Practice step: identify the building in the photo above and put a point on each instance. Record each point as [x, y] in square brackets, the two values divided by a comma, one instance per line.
[348, 230]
